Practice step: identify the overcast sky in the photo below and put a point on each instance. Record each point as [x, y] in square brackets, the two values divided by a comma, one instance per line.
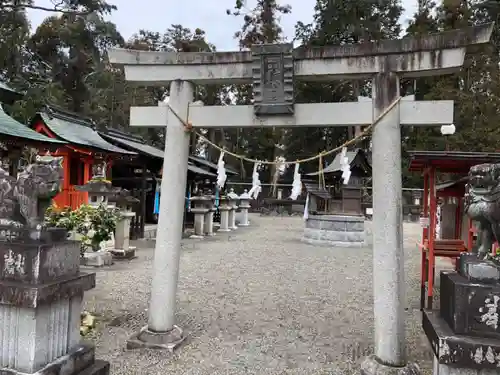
[209, 15]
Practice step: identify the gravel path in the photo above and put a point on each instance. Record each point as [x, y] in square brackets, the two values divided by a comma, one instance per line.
[256, 302]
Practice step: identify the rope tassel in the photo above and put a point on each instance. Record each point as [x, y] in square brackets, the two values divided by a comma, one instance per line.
[296, 184]
[256, 188]
[344, 166]
[221, 172]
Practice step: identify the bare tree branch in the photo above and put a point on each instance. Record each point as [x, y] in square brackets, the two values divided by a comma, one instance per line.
[55, 9]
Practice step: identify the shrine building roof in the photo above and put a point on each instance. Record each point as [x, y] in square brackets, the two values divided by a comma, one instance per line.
[10, 127]
[313, 189]
[201, 160]
[356, 158]
[8, 95]
[449, 161]
[129, 141]
[76, 129]
[139, 145]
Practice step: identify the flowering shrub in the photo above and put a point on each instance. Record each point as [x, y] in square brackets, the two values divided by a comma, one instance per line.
[494, 257]
[56, 217]
[95, 224]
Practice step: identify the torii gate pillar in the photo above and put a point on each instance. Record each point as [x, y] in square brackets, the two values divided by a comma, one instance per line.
[272, 70]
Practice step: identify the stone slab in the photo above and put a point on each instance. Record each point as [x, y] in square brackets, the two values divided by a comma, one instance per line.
[334, 238]
[29, 295]
[336, 223]
[325, 243]
[373, 366]
[146, 339]
[35, 262]
[79, 361]
[459, 350]
[97, 259]
[124, 254]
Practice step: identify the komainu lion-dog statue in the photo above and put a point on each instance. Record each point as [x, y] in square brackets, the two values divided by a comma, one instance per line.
[482, 204]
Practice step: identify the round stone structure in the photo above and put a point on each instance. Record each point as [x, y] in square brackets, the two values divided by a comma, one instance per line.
[335, 230]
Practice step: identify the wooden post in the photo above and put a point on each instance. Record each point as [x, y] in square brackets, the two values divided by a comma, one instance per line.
[432, 236]
[143, 199]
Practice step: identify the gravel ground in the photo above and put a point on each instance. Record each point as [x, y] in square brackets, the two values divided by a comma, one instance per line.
[255, 302]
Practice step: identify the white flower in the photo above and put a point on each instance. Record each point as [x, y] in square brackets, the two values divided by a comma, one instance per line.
[91, 233]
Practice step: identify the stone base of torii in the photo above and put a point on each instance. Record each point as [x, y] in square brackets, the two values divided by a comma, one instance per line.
[272, 70]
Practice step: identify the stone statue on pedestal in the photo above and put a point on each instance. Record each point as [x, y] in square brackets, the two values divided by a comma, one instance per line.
[41, 285]
[482, 204]
[23, 201]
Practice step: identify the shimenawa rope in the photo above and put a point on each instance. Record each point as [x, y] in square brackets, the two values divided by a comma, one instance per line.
[189, 127]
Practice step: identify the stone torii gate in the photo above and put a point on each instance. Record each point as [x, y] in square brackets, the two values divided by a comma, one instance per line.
[273, 69]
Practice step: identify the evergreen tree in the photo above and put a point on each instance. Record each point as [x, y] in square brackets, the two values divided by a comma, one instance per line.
[338, 23]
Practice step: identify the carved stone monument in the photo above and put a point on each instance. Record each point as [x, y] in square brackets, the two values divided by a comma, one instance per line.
[41, 286]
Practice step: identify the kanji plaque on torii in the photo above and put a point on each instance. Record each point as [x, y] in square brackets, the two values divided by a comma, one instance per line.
[272, 72]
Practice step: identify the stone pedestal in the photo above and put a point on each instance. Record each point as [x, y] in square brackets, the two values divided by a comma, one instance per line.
[122, 249]
[41, 293]
[244, 207]
[465, 333]
[97, 258]
[224, 209]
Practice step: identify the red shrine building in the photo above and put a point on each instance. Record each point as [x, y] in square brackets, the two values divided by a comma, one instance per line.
[84, 147]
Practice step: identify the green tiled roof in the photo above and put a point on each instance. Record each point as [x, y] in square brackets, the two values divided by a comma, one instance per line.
[195, 169]
[209, 164]
[140, 147]
[8, 95]
[79, 134]
[133, 143]
[13, 128]
[5, 87]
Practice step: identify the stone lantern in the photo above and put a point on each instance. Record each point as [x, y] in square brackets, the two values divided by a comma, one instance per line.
[201, 208]
[244, 207]
[233, 198]
[100, 191]
[124, 201]
[225, 206]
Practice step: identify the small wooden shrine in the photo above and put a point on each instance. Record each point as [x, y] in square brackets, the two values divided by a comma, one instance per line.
[344, 198]
[142, 176]
[456, 230]
[84, 147]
